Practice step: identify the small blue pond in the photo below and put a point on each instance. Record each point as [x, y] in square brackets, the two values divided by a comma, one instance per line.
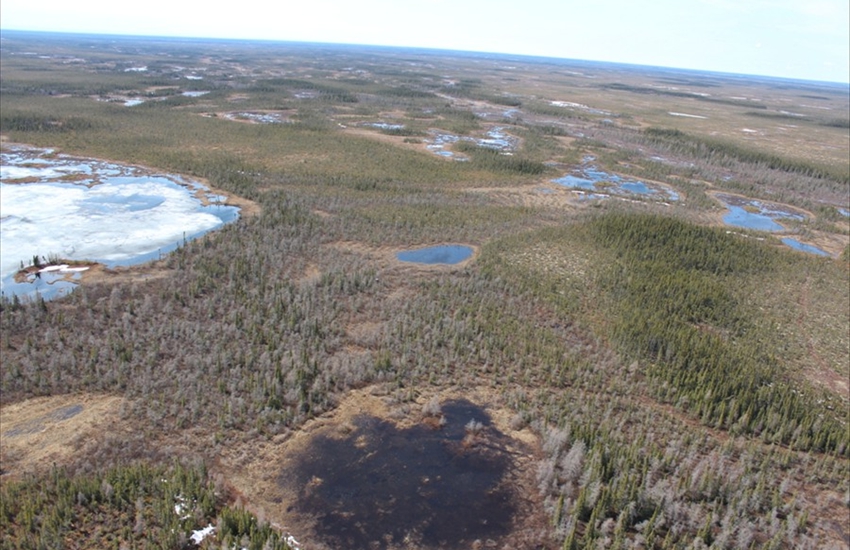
[443, 254]
[739, 217]
[754, 214]
[637, 187]
[587, 178]
[803, 247]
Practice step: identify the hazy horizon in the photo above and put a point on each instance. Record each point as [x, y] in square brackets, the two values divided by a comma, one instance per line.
[435, 50]
[769, 38]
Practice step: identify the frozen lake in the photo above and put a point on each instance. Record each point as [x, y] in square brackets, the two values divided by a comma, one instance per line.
[56, 206]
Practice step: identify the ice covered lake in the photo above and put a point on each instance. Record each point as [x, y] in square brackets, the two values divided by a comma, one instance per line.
[61, 207]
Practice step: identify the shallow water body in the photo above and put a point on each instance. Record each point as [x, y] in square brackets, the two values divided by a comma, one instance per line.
[803, 247]
[739, 217]
[443, 254]
[495, 138]
[590, 178]
[753, 214]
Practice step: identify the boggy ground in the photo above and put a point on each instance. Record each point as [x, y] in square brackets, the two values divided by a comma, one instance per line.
[45, 431]
[208, 335]
[376, 473]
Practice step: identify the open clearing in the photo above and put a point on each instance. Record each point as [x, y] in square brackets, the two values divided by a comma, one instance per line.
[42, 431]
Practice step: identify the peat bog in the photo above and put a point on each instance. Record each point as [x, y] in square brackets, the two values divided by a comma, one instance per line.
[434, 484]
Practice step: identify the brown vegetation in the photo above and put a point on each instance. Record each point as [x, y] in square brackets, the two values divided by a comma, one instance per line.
[647, 381]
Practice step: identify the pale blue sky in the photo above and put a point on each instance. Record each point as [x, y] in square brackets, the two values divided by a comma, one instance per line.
[807, 39]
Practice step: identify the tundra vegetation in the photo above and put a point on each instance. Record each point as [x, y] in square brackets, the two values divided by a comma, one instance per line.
[685, 384]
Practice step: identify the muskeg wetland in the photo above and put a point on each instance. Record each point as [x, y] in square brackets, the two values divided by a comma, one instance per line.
[612, 365]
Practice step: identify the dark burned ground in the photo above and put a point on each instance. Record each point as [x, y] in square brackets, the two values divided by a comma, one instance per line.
[423, 486]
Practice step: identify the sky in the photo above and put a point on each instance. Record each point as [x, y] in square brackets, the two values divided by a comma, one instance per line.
[802, 39]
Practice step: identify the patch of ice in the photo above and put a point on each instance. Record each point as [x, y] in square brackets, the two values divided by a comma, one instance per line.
[126, 219]
[686, 115]
[572, 105]
[386, 126]
[256, 117]
[495, 138]
[568, 104]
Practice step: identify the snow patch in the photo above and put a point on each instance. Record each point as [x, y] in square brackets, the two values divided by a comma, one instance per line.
[199, 535]
[686, 115]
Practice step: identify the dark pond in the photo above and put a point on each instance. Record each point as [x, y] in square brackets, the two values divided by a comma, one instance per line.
[443, 254]
[425, 487]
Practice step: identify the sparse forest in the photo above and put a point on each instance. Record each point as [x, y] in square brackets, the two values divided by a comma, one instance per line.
[678, 382]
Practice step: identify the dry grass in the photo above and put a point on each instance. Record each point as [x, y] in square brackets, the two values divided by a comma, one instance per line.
[39, 432]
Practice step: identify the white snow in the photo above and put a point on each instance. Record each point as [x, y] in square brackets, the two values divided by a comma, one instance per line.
[125, 216]
[686, 115]
[199, 535]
